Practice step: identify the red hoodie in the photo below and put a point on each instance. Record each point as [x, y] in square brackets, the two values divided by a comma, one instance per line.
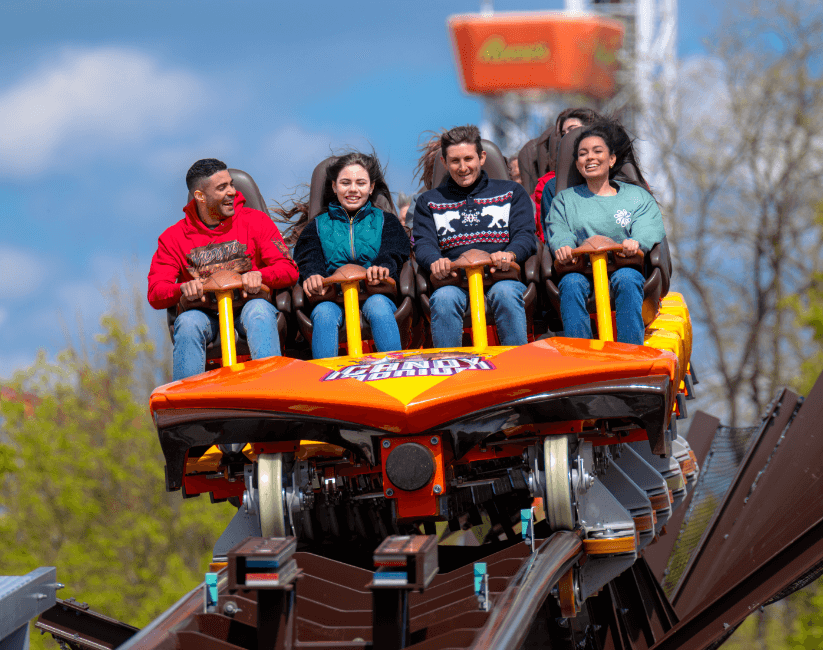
[189, 249]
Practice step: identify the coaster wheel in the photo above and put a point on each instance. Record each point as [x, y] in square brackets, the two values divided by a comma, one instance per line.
[270, 495]
[559, 503]
[567, 595]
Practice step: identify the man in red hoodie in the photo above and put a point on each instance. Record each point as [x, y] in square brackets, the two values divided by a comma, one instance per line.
[218, 232]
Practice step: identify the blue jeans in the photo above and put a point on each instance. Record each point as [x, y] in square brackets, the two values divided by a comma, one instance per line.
[194, 329]
[449, 304]
[626, 285]
[327, 319]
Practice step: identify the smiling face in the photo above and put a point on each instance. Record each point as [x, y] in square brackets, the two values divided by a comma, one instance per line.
[353, 187]
[215, 197]
[594, 158]
[464, 163]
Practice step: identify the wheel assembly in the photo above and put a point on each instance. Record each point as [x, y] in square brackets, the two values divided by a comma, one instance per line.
[270, 495]
[557, 481]
[568, 595]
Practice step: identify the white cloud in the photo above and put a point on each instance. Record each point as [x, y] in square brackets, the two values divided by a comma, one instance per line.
[93, 97]
[25, 272]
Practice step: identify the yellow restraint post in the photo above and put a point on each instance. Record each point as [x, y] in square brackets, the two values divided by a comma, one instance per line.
[478, 307]
[601, 297]
[352, 309]
[225, 313]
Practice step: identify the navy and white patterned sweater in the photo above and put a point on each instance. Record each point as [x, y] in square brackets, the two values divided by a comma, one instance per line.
[492, 215]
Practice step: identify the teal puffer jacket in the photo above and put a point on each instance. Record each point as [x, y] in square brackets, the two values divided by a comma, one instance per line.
[350, 240]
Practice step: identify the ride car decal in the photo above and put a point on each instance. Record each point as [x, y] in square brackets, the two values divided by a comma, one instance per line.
[422, 365]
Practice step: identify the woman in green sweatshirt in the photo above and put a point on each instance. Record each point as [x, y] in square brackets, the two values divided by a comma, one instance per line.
[620, 210]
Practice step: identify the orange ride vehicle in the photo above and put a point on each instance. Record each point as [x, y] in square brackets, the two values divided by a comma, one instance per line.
[580, 434]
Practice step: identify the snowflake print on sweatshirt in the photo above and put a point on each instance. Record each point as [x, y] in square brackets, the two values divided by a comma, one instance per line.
[470, 216]
[623, 218]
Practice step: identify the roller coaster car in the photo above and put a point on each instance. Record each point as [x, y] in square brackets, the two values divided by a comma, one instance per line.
[244, 183]
[350, 449]
[406, 306]
[496, 167]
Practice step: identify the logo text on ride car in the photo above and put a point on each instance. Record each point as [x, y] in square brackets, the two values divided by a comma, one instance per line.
[412, 368]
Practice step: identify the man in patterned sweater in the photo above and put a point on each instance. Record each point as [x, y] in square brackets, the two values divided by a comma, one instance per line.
[470, 210]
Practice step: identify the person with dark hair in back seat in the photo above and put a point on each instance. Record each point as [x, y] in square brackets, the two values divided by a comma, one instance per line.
[470, 210]
[625, 211]
[543, 195]
[218, 232]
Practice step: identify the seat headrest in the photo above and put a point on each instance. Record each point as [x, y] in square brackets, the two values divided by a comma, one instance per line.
[318, 181]
[495, 165]
[568, 174]
[244, 183]
[552, 147]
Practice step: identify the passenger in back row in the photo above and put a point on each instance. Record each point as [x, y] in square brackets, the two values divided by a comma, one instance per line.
[623, 211]
[351, 231]
[470, 210]
[544, 191]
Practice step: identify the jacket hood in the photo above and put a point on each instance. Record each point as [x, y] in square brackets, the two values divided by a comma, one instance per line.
[193, 220]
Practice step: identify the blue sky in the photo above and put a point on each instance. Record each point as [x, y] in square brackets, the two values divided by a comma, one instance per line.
[105, 105]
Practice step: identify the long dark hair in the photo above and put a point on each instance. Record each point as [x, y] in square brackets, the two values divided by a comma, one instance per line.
[587, 117]
[621, 144]
[297, 215]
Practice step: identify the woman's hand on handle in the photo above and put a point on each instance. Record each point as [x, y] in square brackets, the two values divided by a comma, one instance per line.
[564, 255]
[314, 285]
[374, 274]
[630, 248]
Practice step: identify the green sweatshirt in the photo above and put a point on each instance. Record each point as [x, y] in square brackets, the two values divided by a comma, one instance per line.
[576, 214]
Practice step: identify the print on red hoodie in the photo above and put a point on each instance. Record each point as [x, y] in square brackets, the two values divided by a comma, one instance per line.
[247, 241]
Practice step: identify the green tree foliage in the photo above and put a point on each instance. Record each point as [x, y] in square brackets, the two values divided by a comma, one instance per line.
[82, 485]
[808, 307]
[743, 168]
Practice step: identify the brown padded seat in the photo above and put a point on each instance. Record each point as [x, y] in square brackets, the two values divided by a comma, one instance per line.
[245, 184]
[537, 158]
[495, 165]
[496, 168]
[657, 267]
[302, 307]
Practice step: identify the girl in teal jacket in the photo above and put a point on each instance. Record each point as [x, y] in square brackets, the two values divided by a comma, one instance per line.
[352, 231]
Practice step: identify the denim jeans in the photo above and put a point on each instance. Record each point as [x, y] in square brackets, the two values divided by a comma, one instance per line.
[626, 285]
[194, 329]
[449, 304]
[327, 319]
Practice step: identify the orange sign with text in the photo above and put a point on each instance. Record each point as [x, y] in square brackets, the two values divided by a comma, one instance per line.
[509, 52]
